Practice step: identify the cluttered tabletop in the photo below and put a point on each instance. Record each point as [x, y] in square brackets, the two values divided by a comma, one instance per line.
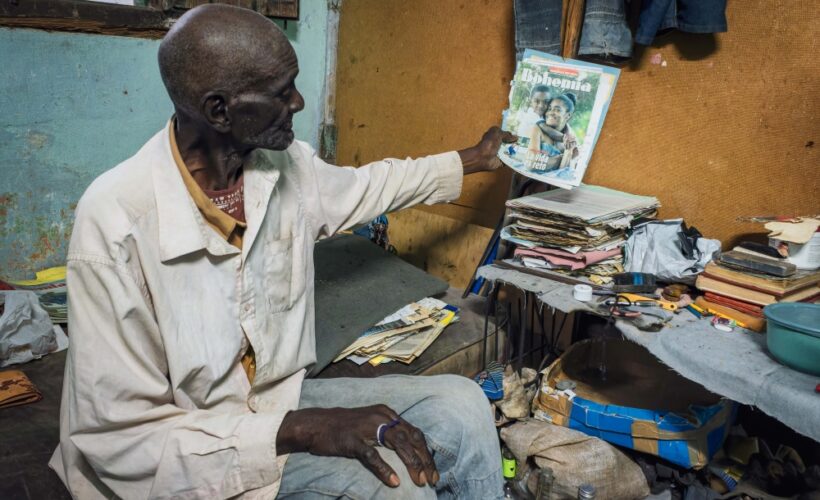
[701, 312]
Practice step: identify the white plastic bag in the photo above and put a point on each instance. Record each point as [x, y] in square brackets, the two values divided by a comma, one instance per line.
[26, 332]
[659, 248]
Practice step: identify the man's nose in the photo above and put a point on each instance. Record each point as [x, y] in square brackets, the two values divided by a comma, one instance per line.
[297, 103]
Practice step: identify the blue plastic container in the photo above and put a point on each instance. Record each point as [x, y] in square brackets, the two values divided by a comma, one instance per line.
[641, 404]
[793, 335]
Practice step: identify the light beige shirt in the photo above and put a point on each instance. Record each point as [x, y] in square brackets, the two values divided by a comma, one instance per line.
[155, 401]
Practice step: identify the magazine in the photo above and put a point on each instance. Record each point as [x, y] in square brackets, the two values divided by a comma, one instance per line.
[557, 108]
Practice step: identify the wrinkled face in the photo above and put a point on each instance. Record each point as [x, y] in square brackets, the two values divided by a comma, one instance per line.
[262, 117]
[539, 102]
[558, 114]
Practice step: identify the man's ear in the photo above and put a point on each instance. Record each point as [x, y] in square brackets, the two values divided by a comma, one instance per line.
[215, 111]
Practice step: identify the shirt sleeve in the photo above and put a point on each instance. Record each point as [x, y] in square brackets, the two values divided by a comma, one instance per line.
[338, 198]
[119, 413]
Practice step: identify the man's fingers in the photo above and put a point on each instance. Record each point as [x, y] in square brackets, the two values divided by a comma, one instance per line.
[420, 447]
[508, 137]
[371, 459]
[397, 440]
[410, 445]
[492, 131]
[385, 411]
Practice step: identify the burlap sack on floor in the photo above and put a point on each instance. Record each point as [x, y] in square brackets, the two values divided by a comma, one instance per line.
[575, 459]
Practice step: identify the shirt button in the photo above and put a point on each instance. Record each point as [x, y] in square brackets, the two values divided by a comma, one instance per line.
[253, 401]
[247, 307]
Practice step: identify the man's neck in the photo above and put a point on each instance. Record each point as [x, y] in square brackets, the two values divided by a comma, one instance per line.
[213, 160]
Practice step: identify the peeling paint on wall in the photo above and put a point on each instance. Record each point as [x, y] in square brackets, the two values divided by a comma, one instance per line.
[33, 236]
[37, 140]
[88, 103]
[65, 121]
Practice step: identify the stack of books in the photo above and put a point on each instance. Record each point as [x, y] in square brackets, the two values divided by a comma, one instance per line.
[404, 335]
[578, 232]
[743, 283]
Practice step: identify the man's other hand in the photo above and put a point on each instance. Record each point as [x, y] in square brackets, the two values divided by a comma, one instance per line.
[352, 433]
[484, 155]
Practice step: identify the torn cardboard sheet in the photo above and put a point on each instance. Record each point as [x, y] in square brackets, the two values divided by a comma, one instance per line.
[793, 232]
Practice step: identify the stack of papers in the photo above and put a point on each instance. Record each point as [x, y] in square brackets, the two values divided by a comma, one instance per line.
[580, 230]
[49, 285]
[404, 335]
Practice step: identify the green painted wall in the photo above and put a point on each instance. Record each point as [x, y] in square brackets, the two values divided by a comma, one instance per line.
[75, 105]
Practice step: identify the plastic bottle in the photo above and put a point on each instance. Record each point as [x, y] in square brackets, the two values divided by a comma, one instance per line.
[508, 491]
[508, 469]
[508, 464]
[520, 486]
[545, 480]
[586, 492]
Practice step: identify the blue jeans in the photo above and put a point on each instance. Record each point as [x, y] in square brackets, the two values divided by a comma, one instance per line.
[605, 32]
[693, 16]
[538, 26]
[452, 412]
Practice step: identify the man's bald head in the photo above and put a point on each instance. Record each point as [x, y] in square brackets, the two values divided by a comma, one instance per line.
[219, 48]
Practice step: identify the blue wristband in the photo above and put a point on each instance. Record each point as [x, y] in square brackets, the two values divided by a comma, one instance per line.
[383, 428]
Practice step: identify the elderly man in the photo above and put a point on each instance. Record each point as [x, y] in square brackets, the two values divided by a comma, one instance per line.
[190, 272]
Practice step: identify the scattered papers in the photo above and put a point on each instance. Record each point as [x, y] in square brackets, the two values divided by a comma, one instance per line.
[552, 258]
[591, 204]
[578, 231]
[404, 335]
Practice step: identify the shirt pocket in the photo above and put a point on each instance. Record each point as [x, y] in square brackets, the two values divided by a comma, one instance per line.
[285, 272]
[279, 274]
[301, 272]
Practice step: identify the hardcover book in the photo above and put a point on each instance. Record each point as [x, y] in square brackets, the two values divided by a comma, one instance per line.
[762, 282]
[707, 284]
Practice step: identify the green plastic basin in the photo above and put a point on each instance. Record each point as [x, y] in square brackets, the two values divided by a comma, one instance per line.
[793, 335]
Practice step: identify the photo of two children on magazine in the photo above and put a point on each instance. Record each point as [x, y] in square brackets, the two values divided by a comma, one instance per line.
[556, 108]
[544, 127]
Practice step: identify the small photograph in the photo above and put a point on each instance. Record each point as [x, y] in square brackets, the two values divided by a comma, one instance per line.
[557, 108]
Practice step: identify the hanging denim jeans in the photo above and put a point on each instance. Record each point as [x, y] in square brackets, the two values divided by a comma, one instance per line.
[693, 16]
[538, 26]
[605, 32]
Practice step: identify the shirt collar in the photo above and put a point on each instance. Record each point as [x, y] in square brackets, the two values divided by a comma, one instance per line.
[223, 223]
[182, 228]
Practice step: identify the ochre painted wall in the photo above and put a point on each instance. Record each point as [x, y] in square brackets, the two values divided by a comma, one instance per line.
[424, 77]
[726, 127]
